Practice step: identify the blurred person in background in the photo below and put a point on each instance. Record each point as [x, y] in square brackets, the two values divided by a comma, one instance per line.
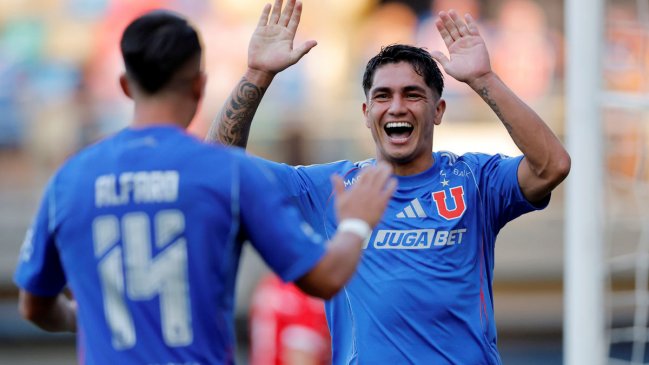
[287, 327]
[146, 227]
[423, 290]
[524, 54]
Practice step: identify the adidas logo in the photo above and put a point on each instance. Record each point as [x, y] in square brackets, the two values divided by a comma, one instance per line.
[413, 210]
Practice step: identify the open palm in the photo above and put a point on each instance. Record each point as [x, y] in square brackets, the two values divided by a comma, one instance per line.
[468, 56]
[271, 46]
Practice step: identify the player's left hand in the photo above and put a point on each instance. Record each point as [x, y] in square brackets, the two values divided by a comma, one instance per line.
[468, 56]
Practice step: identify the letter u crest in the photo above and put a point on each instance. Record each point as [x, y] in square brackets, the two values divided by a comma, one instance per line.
[457, 193]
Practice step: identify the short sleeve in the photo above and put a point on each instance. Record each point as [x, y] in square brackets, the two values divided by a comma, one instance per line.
[503, 195]
[39, 269]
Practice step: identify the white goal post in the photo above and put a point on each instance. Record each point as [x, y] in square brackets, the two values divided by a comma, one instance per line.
[584, 222]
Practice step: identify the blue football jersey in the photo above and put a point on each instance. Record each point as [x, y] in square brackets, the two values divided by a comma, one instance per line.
[146, 229]
[422, 293]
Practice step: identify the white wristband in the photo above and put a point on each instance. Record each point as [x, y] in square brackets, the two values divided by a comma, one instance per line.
[356, 226]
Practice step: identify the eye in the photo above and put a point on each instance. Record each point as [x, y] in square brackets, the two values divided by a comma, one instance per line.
[380, 96]
[414, 96]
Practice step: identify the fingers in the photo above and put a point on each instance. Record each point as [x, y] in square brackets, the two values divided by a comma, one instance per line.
[461, 27]
[472, 25]
[451, 26]
[295, 18]
[383, 181]
[263, 18]
[304, 48]
[274, 16]
[287, 13]
[446, 36]
[368, 197]
[339, 185]
[375, 178]
[389, 189]
[440, 58]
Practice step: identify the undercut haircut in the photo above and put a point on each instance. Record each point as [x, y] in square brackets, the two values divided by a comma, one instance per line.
[420, 60]
[155, 46]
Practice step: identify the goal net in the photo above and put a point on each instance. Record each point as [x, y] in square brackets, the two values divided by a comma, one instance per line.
[625, 117]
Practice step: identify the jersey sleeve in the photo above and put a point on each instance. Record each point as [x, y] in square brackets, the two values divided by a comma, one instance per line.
[39, 269]
[308, 188]
[503, 196]
[272, 224]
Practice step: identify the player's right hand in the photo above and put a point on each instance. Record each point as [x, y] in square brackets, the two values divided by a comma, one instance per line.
[271, 47]
[368, 196]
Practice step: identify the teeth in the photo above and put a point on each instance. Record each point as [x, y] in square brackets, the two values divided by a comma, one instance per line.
[398, 125]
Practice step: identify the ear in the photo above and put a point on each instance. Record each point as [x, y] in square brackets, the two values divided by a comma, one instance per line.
[365, 111]
[126, 88]
[198, 86]
[440, 107]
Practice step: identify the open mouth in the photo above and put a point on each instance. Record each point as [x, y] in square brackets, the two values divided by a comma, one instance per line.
[398, 130]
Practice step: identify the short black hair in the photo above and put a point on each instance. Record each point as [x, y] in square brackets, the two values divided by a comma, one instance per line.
[421, 61]
[155, 46]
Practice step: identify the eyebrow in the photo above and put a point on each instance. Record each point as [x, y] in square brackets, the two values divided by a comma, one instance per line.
[405, 89]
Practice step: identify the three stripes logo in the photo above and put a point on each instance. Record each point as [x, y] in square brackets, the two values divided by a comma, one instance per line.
[412, 210]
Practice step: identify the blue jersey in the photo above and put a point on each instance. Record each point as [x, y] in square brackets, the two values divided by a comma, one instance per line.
[422, 293]
[146, 229]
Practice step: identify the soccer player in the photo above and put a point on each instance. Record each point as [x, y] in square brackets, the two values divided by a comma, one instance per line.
[423, 290]
[146, 227]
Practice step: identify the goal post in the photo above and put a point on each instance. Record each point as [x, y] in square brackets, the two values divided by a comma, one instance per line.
[584, 221]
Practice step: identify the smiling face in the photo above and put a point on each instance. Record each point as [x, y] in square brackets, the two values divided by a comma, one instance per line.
[401, 111]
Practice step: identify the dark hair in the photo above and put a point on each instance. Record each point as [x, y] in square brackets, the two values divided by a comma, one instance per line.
[421, 61]
[155, 46]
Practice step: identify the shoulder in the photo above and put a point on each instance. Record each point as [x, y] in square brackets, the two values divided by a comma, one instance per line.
[341, 167]
[472, 159]
[89, 156]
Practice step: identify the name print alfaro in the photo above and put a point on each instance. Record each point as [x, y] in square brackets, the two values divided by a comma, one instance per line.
[137, 187]
[416, 239]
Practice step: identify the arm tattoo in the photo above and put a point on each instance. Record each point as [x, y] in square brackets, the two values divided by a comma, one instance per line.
[484, 93]
[232, 124]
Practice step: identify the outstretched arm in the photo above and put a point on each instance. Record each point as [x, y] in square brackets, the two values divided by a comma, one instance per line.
[364, 202]
[270, 51]
[546, 162]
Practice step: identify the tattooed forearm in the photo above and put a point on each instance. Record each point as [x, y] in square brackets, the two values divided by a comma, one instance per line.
[484, 93]
[232, 124]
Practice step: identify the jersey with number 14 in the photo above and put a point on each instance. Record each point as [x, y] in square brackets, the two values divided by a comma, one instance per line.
[423, 290]
[146, 229]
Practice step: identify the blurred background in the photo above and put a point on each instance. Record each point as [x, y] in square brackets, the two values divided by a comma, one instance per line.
[59, 68]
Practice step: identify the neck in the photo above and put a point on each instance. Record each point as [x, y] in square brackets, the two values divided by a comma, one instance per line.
[413, 167]
[152, 112]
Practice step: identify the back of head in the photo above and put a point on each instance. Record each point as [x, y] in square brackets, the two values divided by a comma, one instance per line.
[156, 46]
[420, 60]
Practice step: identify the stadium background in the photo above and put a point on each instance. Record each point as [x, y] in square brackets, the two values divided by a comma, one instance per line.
[59, 64]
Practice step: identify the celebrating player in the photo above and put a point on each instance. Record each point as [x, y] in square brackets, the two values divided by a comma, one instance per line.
[146, 227]
[423, 290]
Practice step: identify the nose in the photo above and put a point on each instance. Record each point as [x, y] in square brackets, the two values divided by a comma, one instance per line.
[397, 105]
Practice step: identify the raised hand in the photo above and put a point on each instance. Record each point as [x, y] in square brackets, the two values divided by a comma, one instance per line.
[271, 47]
[469, 59]
[368, 197]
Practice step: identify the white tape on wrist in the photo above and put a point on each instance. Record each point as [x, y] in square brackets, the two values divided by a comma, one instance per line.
[356, 226]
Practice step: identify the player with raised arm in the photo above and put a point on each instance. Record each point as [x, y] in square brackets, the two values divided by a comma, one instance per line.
[423, 290]
[146, 227]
